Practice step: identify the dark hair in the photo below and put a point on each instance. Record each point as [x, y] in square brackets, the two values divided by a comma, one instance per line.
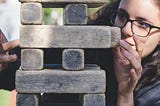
[150, 64]
[151, 69]
[157, 3]
[102, 16]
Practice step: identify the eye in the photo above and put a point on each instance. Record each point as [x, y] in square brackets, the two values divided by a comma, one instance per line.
[142, 24]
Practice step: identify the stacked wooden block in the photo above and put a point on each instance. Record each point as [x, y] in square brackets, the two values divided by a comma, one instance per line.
[89, 81]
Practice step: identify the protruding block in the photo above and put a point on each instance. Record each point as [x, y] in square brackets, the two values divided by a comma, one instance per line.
[48, 36]
[114, 38]
[61, 81]
[75, 14]
[31, 13]
[73, 59]
[31, 59]
[63, 3]
[93, 100]
[28, 99]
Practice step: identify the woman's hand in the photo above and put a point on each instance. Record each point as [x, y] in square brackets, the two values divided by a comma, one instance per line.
[5, 58]
[128, 67]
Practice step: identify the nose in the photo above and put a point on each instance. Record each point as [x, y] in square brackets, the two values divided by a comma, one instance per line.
[126, 30]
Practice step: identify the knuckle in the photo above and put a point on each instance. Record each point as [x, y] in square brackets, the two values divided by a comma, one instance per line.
[139, 68]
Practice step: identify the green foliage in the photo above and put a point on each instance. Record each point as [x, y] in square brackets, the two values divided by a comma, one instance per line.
[47, 14]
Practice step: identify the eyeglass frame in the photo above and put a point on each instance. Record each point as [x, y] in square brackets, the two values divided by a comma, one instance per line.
[129, 20]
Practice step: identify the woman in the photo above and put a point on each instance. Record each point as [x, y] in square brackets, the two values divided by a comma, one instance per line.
[137, 84]
[137, 57]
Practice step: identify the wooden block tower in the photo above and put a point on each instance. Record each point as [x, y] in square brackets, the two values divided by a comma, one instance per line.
[32, 79]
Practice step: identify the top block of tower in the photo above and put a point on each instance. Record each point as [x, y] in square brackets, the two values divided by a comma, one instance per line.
[63, 3]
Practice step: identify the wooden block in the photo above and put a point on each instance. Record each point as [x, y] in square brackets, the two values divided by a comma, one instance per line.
[91, 66]
[27, 99]
[114, 38]
[31, 59]
[63, 3]
[93, 100]
[73, 59]
[61, 81]
[75, 14]
[32, 36]
[31, 13]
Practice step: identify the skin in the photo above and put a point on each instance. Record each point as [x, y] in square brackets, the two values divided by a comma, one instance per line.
[5, 58]
[131, 49]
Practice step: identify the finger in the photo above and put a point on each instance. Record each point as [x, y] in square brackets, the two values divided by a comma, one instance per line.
[136, 64]
[139, 45]
[128, 47]
[117, 53]
[133, 78]
[10, 45]
[8, 58]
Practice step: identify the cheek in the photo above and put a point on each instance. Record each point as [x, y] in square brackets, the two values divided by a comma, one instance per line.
[150, 44]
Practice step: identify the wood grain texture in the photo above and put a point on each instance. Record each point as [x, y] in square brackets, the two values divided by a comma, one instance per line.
[48, 36]
[28, 99]
[93, 99]
[76, 14]
[60, 81]
[31, 13]
[73, 59]
[32, 59]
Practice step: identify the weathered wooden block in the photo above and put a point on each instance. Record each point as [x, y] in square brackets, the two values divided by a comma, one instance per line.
[61, 81]
[93, 99]
[73, 59]
[63, 3]
[75, 14]
[68, 36]
[31, 13]
[91, 66]
[31, 59]
[114, 38]
[27, 99]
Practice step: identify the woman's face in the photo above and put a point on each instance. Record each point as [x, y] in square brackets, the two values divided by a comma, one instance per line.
[146, 11]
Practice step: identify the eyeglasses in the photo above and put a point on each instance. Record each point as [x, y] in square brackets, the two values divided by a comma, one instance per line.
[138, 27]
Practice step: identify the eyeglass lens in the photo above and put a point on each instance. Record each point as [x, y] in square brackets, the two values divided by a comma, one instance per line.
[138, 27]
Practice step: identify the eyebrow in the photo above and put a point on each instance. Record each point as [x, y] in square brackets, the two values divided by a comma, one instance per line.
[144, 19]
[137, 18]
